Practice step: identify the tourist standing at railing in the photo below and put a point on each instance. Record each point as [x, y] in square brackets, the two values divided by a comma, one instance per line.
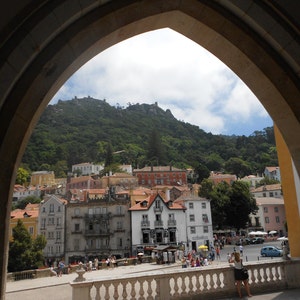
[238, 275]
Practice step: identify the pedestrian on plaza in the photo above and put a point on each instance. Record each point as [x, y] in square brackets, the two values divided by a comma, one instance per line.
[61, 266]
[238, 275]
[241, 250]
[218, 252]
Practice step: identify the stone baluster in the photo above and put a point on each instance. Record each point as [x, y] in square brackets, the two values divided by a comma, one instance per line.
[149, 290]
[106, 291]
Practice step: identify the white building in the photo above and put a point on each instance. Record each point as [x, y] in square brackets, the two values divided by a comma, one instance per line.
[156, 221]
[198, 221]
[273, 173]
[21, 192]
[269, 190]
[87, 168]
[52, 226]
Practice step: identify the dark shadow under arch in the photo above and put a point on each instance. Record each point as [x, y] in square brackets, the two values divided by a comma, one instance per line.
[44, 45]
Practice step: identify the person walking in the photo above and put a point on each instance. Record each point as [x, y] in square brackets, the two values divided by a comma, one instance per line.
[238, 275]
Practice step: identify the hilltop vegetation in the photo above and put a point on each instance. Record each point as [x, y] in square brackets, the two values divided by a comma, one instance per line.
[81, 130]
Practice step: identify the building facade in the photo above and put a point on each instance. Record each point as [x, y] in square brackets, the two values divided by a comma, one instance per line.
[270, 216]
[87, 168]
[270, 190]
[198, 222]
[156, 221]
[98, 228]
[52, 226]
[160, 175]
[42, 178]
[28, 216]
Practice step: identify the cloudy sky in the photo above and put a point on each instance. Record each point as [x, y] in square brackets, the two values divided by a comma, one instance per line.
[165, 67]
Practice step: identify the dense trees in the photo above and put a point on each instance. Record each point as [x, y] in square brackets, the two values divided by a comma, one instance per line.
[24, 252]
[79, 130]
[230, 204]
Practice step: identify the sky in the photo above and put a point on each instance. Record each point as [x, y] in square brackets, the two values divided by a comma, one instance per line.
[165, 67]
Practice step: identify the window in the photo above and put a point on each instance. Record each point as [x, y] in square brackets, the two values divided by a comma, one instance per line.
[203, 205]
[51, 208]
[77, 227]
[275, 209]
[191, 205]
[205, 218]
[120, 242]
[264, 195]
[271, 194]
[265, 209]
[145, 218]
[277, 219]
[158, 217]
[171, 217]
[193, 229]
[58, 235]
[58, 208]
[119, 210]
[205, 229]
[44, 209]
[31, 230]
[157, 204]
[119, 225]
[192, 218]
[58, 221]
[267, 220]
[77, 211]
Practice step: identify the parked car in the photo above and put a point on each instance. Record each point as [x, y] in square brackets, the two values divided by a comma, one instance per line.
[245, 241]
[271, 251]
[257, 240]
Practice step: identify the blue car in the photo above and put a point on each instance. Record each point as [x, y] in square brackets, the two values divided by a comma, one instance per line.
[271, 251]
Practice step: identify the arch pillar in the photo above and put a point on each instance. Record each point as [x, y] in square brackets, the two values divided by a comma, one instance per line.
[290, 183]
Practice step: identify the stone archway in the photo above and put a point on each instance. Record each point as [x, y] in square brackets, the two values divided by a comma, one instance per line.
[42, 45]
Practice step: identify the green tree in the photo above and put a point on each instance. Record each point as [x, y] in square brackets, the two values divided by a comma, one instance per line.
[22, 176]
[238, 167]
[156, 152]
[109, 159]
[242, 204]
[24, 252]
[201, 172]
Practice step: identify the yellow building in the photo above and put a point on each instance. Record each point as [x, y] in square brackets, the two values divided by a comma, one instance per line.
[29, 217]
[42, 178]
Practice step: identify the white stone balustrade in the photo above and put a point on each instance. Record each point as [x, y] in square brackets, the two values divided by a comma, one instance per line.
[191, 283]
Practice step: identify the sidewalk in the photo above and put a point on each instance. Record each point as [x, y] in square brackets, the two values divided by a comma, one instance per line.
[58, 287]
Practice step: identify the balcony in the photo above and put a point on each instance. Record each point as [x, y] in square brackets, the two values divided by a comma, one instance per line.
[99, 217]
[171, 223]
[158, 224]
[97, 233]
[158, 209]
[145, 224]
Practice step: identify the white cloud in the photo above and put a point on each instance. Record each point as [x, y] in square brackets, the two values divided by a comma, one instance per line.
[166, 67]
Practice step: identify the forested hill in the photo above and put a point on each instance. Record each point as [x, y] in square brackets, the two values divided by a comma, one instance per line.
[79, 130]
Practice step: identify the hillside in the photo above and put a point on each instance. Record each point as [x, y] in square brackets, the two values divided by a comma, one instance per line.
[78, 130]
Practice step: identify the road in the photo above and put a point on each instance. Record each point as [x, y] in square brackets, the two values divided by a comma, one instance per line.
[251, 253]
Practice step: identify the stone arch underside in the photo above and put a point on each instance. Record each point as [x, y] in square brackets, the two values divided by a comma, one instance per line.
[42, 46]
